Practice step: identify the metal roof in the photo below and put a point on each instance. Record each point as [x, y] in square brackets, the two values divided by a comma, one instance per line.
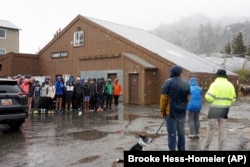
[161, 47]
[8, 24]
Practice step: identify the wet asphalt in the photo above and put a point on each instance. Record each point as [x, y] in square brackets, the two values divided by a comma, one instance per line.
[98, 139]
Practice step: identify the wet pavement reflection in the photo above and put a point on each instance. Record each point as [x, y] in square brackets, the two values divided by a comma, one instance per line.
[98, 139]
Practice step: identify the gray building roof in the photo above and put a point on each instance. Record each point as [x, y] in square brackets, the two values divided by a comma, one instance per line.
[8, 24]
[161, 47]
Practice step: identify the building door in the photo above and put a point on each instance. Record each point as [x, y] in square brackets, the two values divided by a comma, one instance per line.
[134, 89]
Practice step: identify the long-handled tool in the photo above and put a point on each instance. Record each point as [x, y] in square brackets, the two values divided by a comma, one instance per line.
[160, 126]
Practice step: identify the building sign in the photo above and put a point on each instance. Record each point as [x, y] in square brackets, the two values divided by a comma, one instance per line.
[55, 55]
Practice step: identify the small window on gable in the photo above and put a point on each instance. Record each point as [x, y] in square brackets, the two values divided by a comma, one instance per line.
[3, 33]
[79, 38]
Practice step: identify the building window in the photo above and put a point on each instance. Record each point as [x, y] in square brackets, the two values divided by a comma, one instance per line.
[79, 38]
[2, 51]
[0, 67]
[2, 33]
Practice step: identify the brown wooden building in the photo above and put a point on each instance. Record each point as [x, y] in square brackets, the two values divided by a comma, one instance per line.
[89, 47]
[12, 64]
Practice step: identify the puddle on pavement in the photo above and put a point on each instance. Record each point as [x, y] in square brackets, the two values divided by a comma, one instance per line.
[123, 117]
[239, 120]
[111, 117]
[88, 159]
[89, 135]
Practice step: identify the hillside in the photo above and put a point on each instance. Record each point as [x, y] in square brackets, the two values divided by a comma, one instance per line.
[201, 35]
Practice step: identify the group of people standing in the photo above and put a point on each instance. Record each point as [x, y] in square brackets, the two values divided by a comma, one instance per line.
[92, 94]
[179, 97]
[78, 94]
[39, 96]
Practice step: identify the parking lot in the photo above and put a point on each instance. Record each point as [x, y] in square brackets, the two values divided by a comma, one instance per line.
[98, 139]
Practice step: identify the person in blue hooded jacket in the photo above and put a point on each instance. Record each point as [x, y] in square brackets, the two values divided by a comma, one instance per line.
[173, 105]
[59, 85]
[194, 108]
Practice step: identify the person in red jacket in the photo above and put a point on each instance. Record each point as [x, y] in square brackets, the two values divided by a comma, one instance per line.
[25, 86]
[28, 87]
[117, 92]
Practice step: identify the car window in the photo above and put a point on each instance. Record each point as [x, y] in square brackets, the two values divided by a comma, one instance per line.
[9, 87]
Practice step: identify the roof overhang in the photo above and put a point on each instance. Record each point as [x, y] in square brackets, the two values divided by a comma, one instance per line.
[138, 60]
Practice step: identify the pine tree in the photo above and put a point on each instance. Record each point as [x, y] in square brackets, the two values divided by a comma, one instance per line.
[238, 46]
[227, 48]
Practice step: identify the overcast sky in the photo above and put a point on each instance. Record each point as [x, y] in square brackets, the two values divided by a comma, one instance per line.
[40, 19]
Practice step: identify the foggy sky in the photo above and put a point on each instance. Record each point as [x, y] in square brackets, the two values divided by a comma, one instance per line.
[40, 19]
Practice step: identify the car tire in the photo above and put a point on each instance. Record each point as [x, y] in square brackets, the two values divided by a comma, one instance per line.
[15, 125]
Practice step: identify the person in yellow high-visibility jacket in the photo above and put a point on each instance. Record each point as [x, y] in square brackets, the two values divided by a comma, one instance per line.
[221, 94]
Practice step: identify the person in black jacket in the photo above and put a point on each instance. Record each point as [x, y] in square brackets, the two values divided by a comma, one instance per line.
[78, 94]
[86, 95]
[174, 98]
[93, 95]
[100, 94]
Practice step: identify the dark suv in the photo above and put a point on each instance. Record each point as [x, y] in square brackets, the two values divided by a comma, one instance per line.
[13, 104]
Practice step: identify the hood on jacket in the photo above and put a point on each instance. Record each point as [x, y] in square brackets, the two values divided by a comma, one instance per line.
[109, 80]
[193, 82]
[58, 78]
[175, 71]
[71, 78]
[221, 73]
